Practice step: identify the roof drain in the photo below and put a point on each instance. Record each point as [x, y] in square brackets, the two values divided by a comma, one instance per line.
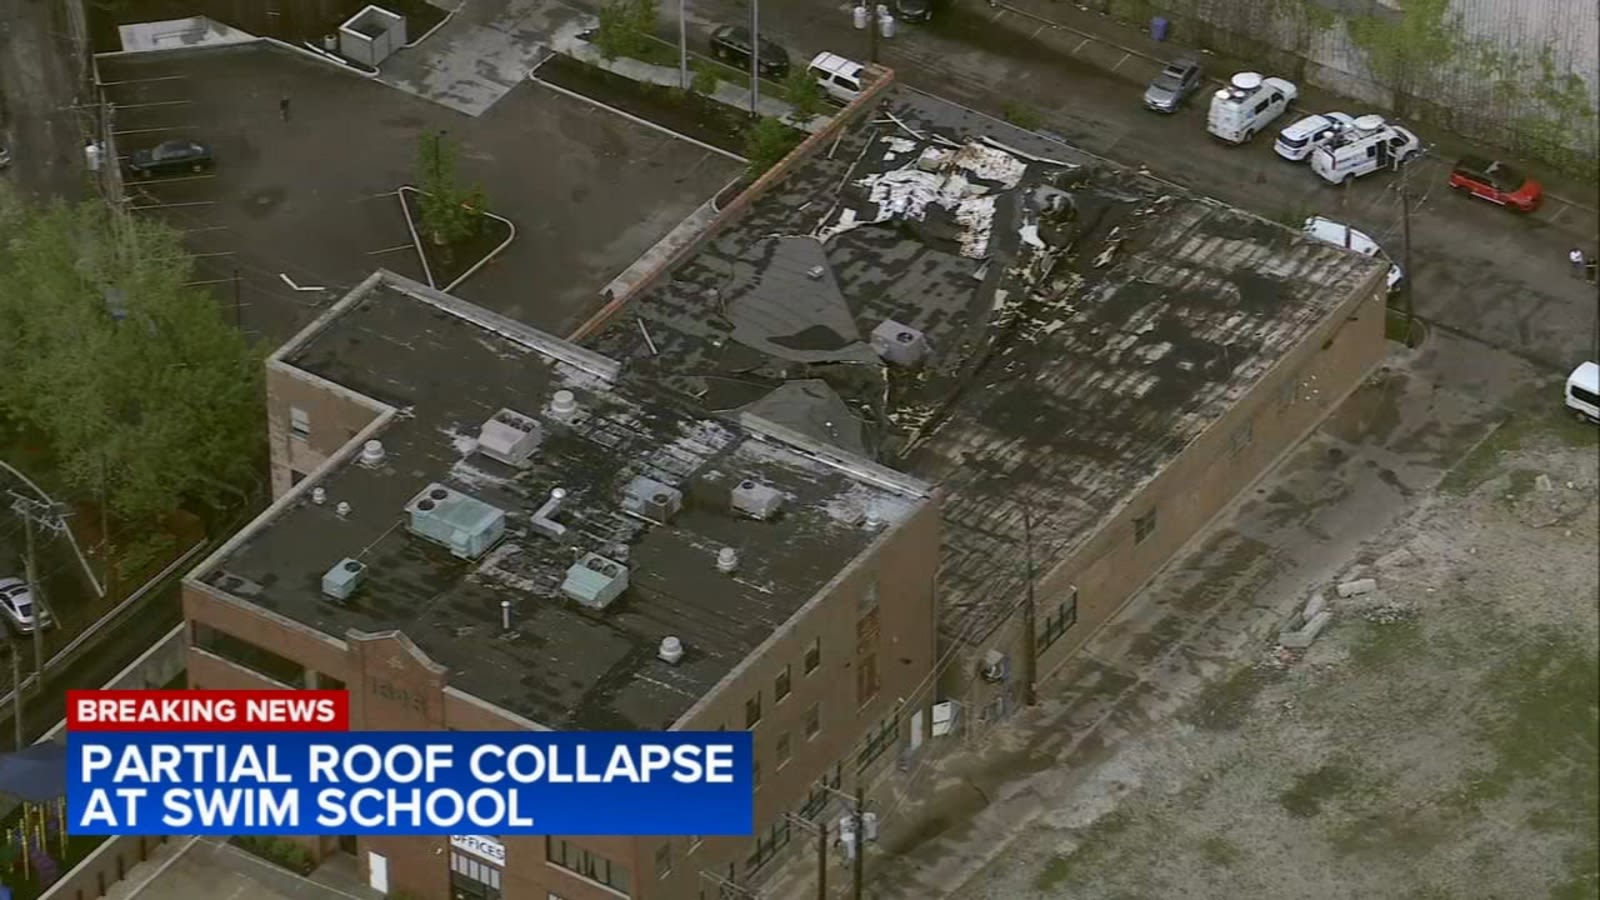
[544, 520]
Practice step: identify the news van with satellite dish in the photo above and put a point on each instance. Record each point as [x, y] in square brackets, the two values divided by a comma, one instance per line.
[1371, 145]
[1248, 104]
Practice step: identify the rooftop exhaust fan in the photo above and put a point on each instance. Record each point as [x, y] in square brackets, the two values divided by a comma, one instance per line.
[757, 500]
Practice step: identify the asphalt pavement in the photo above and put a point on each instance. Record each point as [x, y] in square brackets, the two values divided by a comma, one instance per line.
[1477, 270]
[38, 121]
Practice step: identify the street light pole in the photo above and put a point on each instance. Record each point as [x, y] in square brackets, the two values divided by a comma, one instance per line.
[873, 24]
[755, 58]
[16, 690]
[1405, 254]
[860, 839]
[1030, 638]
[683, 48]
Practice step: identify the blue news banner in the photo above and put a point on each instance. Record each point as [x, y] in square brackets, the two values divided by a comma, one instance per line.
[410, 783]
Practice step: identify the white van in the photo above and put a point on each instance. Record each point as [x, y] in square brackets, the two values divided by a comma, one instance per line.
[1296, 142]
[1248, 104]
[1583, 391]
[1371, 145]
[1341, 235]
[838, 77]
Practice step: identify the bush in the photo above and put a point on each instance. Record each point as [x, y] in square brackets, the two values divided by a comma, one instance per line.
[705, 79]
[801, 91]
[1020, 115]
[278, 851]
[767, 142]
[626, 27]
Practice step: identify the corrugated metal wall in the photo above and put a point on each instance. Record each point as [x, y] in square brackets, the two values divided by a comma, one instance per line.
[1520, 73]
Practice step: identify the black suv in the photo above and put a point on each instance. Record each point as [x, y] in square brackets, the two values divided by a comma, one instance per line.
[913, 10]
[731, 44]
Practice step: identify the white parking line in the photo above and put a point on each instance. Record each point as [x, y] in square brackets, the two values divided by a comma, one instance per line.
[174, 205]
[390, 250]
[145, 80]
[1564, 208]
[146, 130]
[175, 179]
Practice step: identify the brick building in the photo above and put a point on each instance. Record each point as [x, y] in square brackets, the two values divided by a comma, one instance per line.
[693, 573]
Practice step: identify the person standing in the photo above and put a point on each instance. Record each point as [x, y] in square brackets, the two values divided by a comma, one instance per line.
[1576, 258]
[283, 107]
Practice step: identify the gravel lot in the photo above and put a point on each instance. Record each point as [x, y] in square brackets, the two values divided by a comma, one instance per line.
[1437, 741]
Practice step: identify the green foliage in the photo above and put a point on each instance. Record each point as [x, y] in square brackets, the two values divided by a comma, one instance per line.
[279, 851]
[145, 394]
[448, 213]
[705, 79]
[1020, 115]
[1400, 51]
[626, 27]
[767, 142]
[801, 91]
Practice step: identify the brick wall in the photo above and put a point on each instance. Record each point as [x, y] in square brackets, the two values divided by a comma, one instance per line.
[334, 418]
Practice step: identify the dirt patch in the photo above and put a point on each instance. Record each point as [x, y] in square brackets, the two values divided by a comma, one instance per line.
[682, 111]
[1439, 739]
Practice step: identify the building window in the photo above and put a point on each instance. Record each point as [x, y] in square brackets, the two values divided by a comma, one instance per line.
[780, 686]
[1057, 623]
[473, 879]
[587, 864]
[869, 599]
[1143, 526]
[246, 655]
[877, 742]
[295, 477]
[299, 423]
[813, 720]
[782, 750]
[663, 860]
[867, 680]
[767, 845]
[1241, 438]
[752, 711]
[814, 656]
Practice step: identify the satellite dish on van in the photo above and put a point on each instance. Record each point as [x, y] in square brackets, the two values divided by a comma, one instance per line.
[1369, 123]
[1246, 81]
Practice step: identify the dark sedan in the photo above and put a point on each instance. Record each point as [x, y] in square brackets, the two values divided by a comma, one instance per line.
[913, 10]
[169, 157]
[731, 44]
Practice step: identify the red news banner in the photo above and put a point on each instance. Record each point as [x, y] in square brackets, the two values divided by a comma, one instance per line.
[279, 710]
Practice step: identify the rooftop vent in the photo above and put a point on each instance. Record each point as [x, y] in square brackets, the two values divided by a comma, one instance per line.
[372, 453]
[757, 500]
[671, 650]
[544, 521]
[563, 403]
[466, 526]
[899, 345]
[342, 580]
[595, 581]
[510, 437]
[319, 495]
[343, 509]
[652, 499]
[727, 560]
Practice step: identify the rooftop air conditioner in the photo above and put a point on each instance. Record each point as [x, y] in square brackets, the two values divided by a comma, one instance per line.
[757, 500]
[898, 344]
[652, 499]
[466, 526]
[342, 580]
[510, 437]
[595, 581]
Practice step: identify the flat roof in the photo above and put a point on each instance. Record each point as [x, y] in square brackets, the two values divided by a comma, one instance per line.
[447, 367]
[1074, 346]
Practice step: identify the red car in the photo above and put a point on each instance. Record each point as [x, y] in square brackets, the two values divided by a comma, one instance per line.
[1496, 182]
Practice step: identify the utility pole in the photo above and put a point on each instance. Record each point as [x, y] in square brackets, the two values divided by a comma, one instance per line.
[820, 827]
[860, 839]
[1030, 634]
[683, 48]
[755, 58]
[52, 517]
[16, 690]
[874, 22]
[1405, 254]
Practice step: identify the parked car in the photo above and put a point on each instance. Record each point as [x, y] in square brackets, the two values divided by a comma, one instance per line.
[5, 156]
[1341, 235]
[169, 157]
[1172, 86]
[839, 78]
[913, 10]
[1583, 391]
[1496, 182]
[16, 606]
[731, 44]
[1298, 140]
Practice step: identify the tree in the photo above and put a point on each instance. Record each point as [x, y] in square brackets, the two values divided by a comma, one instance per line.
[145, 393]
[767, 142]
[626, 27]
[448, 213]
[801, 91]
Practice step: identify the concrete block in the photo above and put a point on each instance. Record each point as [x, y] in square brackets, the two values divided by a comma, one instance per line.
[1293, 640]
[1314, 606]
[1317, 623]
[1357, 588]
[1396, 558]
[1301, 639]
[1543, 483]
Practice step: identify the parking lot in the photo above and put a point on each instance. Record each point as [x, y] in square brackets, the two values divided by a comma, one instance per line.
[298, 210]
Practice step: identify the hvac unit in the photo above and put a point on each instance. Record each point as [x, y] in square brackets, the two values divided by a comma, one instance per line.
[510, 437]
[595, 581]
[899, 345]
[466, 526]
[652, 499]
[994, 666]
[757, 500]
[342, 580]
